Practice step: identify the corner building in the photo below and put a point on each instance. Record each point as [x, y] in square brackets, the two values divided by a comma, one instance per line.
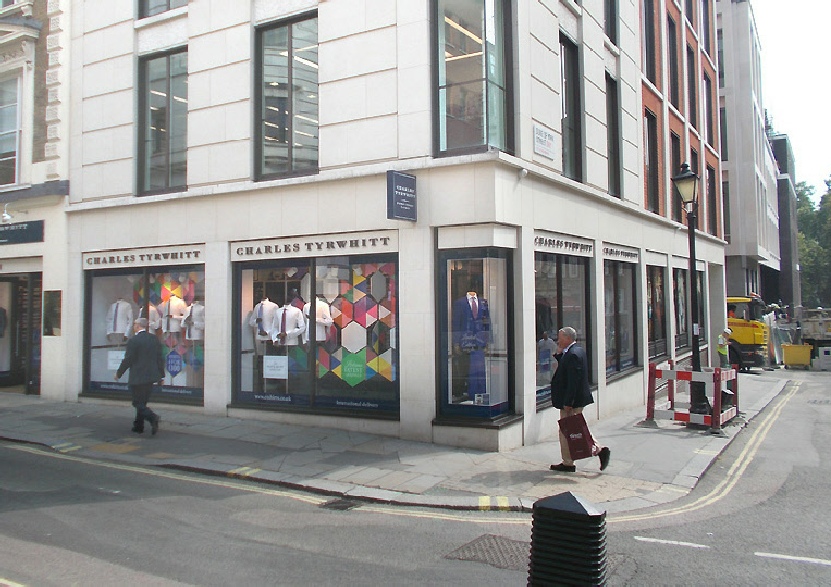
[367, 215]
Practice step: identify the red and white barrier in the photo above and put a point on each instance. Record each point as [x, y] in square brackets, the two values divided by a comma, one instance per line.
[714, 382]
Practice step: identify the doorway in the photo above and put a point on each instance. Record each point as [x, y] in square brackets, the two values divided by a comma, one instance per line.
[20, 332]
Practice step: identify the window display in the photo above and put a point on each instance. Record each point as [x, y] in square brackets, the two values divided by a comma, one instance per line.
[474, 336]
[679, 286]
[341, 355]
[561, 284]
[619, 294]
[656, 321]
[170, 299]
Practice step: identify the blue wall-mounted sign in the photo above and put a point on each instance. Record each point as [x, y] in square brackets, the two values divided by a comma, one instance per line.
[21, 232]
[401, 196]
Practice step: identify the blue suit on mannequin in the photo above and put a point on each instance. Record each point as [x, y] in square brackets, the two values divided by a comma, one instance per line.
[471, 335]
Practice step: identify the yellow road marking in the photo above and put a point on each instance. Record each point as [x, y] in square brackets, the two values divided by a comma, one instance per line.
[9, 583]
[733, 475]
[502, 503]
[484, 502]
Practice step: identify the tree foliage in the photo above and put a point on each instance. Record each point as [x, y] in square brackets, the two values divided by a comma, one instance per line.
[814, 223]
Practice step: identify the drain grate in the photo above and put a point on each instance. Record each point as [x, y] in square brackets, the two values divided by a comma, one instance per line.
[820, 402]
[340, 504]
[496, 551]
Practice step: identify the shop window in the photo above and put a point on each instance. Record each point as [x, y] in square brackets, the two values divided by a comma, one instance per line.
[681, 299]
[154, 7]
[473, 67]
[163, 123]
[474, 337]
[287, 99]
[561, 287]
[656, 320]
[340, 350]
[621, 339]
[173, 301]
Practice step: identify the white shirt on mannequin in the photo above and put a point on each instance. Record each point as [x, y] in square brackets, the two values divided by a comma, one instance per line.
[120, 318]
[261, 318]
[295, 325]
[323, 320]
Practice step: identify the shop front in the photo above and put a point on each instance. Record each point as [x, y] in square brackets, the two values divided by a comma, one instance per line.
[315, 324]
[166, 285]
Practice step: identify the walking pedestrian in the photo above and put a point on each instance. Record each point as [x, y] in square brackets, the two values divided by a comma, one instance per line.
[570, 393]
[143, 358]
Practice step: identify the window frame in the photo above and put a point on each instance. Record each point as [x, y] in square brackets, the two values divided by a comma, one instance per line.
[617, 314]
[571, 101]
[145, 9]
[614, 138]
[259, 101]
[18, 127]
[656, 326]
[144, 136]
[507, 130]
[652, 173]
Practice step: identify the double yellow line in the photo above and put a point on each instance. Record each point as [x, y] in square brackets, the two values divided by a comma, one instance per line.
[733, 474]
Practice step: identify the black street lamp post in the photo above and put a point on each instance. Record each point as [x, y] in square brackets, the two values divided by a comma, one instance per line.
[686, 183]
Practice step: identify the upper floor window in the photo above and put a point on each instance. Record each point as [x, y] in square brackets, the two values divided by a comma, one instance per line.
[610, 23]
[709, 115]
[149, 7]
[692, 88]
[288, 99]
[572, 125]
[649, 44]
[674, 69]
[613, 137]
[650, 162]
[473, 77]
[163, 122]
[9, 131]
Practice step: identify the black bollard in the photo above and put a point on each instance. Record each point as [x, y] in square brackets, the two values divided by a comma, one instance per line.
[568, 542]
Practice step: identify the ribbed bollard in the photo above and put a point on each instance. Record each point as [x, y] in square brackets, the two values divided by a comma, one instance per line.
[568, 542]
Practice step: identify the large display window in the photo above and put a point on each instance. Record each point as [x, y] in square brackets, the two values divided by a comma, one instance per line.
[656, 320]
[680, 295]
[620, 311]
[474, 297]
[319, 333]
[173, 301]
[561, 284]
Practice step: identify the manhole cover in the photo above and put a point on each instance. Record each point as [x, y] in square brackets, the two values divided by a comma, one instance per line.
[496, 551]
[340, 504]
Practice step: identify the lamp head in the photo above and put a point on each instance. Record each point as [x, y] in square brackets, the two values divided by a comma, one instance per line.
[686, 183]
[6, 217]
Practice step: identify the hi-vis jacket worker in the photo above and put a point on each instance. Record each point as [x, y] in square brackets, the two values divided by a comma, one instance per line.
[724, 347]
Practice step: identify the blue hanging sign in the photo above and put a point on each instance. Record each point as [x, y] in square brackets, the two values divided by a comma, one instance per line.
[401, 196]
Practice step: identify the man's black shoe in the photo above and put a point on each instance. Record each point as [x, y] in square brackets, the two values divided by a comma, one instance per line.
[154, 424]
[563, 468]
[604, 456]
[137, 430]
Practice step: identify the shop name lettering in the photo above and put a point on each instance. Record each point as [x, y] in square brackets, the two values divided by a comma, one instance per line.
[611, 252]
[142, 257]
[355, 243]
[563, 244]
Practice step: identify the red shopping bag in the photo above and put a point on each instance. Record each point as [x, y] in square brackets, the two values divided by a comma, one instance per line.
[578, 437]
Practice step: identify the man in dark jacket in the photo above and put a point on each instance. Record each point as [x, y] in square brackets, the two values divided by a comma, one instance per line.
[570, 393]
[143, 358]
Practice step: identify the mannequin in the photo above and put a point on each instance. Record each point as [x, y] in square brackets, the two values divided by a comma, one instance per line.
[290, 331]
[193, 321]
[153, 322]
[171, 313]
[119, 321]
[261, 318]
[471, 334]
[323, 320]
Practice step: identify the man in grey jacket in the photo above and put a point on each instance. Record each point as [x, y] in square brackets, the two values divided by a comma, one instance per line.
[143, 358]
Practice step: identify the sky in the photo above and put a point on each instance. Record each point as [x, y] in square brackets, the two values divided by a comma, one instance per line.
[796, 85]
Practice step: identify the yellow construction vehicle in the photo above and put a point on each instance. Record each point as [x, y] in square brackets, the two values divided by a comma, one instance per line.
[749, 341]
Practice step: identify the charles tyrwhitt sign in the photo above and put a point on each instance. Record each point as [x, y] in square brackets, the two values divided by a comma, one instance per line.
[401, 196]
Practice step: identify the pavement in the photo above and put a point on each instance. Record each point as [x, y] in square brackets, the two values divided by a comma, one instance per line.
[650, 465]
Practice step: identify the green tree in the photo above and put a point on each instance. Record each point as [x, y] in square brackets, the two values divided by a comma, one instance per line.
[814, 245]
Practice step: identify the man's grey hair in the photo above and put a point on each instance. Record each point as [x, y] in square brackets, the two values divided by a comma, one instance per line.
[569, 332]
[142, 322]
